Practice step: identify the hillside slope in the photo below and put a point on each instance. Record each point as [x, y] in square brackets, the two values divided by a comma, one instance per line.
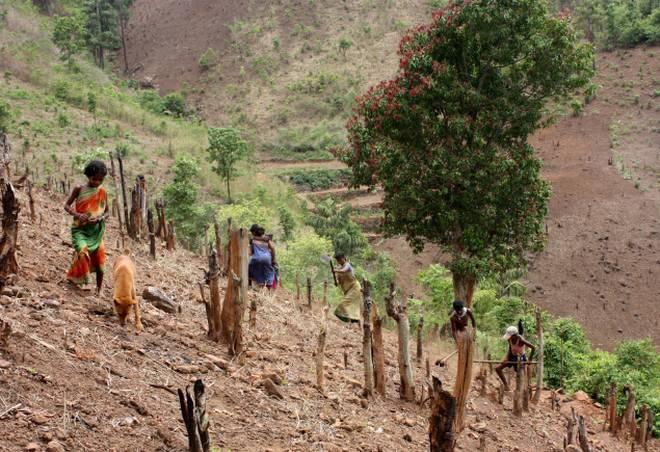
[71, 376]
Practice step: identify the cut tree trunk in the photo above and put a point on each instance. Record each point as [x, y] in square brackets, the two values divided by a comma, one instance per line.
[152, 234]
[171, 237]
[33, 214]
[442, 437]
[117, 195]
[123, 194]
[215, 305]
[582, 435]
[520, 388]
[193, 411]
[378, 352]
[366, 340]
[233, 308]
[399, 312]
[10, 210]
[463, 377]
[218, 241]
[420, 346]
[309, 292]
[540, 348]
[629, 422]
[611, 407]
[464, 288]
[320, 355]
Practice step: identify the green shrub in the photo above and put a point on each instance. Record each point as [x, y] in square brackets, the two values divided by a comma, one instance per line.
[174, 104]
[315, 180]
[5, 117]
[208, 59]
[301, 257]
[332, 221]
[287, 222]
[80, 160]
[63, 120]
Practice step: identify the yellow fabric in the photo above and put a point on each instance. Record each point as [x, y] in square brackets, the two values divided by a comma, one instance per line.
[350, 307]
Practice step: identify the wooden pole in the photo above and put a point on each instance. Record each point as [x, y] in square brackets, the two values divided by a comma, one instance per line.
[320, 355]
[325, 295]
[366, 340]
[297, 288]
[540, 348]
[113, 173]
[228, 305]
[215, 323]
[570, 429]
[420, 331]
[171, 236]
[218, 240]
[309, 292]
[152, 234]
[241, 302]
[193, 411]
[33, 215]
[644, 427]
[378, 352]
[442, 437]
[399, 312]
[123, 193]
[629, 421]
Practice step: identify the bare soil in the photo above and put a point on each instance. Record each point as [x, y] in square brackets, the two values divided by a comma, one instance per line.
[71, 375]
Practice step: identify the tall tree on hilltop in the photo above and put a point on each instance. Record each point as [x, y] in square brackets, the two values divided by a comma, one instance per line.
[101, 28]
[226, 149]
[123, 14]
[447, 137]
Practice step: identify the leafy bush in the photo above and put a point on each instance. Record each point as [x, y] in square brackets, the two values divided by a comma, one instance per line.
[305, 142]
[301, 257]
[5, 117]
[174, 104]
[315, 180]
[80, 160]
[63, 119]
[287, 222]
[208, 59]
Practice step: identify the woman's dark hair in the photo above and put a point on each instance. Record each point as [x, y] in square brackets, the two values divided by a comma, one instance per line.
[458, 305]
[340, 255]
[95, 168]
[257, 230]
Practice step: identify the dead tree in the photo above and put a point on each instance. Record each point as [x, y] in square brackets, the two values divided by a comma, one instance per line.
[645, 427]
[610, 412]
[138, 205]
[420, 334]
[463, 377]
[378, 352]
[297, 288]
[399, 313]
[33, 214]
[218, 240]
[582, 435]
[236, 295]
[215, 309]
[570, 429]
[10, 210]
[195, 418]
[442, 436]
[325, 296]
[366, 340]
[171, 237]
[162, 224]
[309, 292]
[152, 234]
[628, 421]
[539, 365]
[5, 157]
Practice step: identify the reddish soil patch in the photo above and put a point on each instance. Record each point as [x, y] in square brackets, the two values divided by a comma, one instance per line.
[601, 262]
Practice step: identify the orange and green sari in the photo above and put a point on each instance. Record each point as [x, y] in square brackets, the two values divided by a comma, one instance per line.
[87, 239]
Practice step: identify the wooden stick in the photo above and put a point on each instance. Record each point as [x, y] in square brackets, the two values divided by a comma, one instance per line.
[582, 435]
[215, 309]
[297, 288]
[492, 361]
[442, 362]
[540, 348]
[420, 330]
[378, 352]
[123, 193]
[325, 296]
[201, 419]
[309, 292]
[152, 234]
[320, 355]
[366, 340]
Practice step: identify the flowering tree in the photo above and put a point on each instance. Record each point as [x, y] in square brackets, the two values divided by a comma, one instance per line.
[447, 137]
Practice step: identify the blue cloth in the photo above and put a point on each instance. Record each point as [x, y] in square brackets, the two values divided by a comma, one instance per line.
[261, 268]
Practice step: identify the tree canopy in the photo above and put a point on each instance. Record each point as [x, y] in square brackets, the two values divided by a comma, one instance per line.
[226, 149]
[447, 137]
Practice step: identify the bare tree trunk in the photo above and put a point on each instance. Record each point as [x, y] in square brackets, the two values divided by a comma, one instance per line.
[171, 237]
[33, 214]
[540, 348]
[218, 241]
[228, 305]
[399, 313]
[325, 296]
[9, 240]
[420, 331]
[464, 286]
[320, 355]
[123, 193]
[570, 429]
[236, 296]
[463, 377]
[195, 418]
[611, 407]
[215, 308]
[297, 289]
[629, 423]
[442, 437]
[520, 388]
[582, 435]
[152, 235]
[309, 292]
[236, 348]
[366, 341]
[378, 352]
[644, 427]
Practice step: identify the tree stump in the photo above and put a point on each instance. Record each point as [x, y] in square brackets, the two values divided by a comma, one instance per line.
[195, 418]
[215, 306]
[540, 348]
[378, 352]
[399, 312]
[10, 208]
[152, 234]
[442, 437]
[520, 388]
[463, 377]
[366, 340]
[319, 358]
[420, 334]
[309, 292]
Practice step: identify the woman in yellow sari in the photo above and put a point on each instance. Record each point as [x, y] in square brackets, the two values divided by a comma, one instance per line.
[89, 207]
[350, 308]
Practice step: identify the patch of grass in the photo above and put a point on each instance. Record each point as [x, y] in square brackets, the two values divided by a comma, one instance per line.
[316, 179]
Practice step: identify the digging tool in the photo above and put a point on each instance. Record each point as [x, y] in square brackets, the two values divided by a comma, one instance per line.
[443, 362]
[328, 260]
